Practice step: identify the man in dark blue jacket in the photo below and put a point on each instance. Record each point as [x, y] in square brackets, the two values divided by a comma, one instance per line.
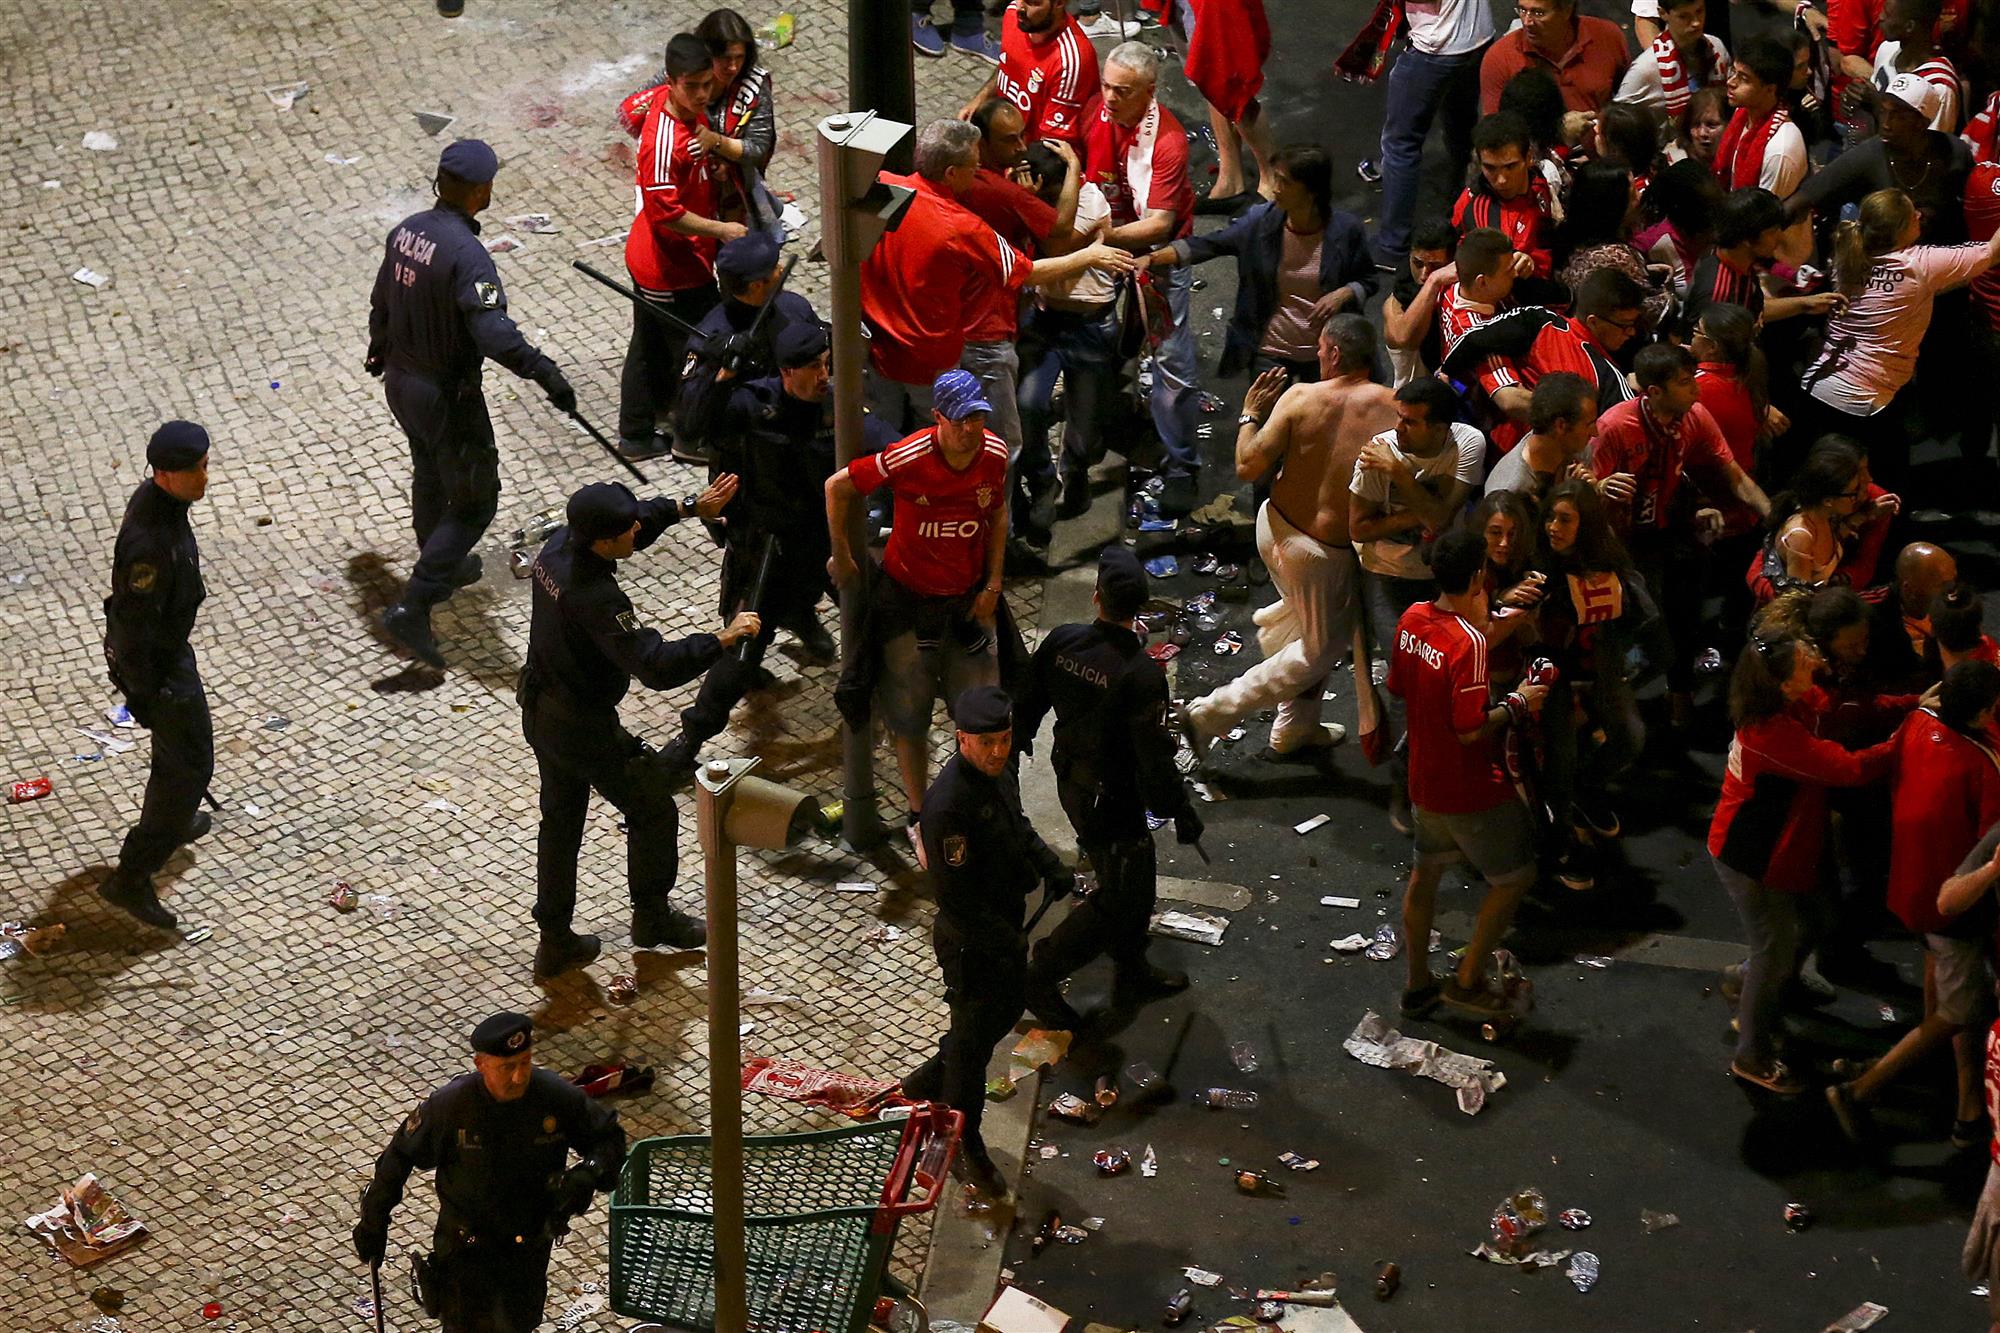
[747, 271]
[437, 315]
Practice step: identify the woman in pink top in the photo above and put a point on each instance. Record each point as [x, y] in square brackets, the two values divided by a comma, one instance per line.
[1870, 350]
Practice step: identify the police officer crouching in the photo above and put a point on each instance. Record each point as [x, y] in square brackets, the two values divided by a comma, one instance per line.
[746, 270]
[437, 314]
[585, 647]
[985, 859]
[1114, 760]
[499, 1140]
[774, 436]
[156, 588]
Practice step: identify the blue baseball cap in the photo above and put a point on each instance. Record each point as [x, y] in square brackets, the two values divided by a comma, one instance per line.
[957, 394]
[470, 160]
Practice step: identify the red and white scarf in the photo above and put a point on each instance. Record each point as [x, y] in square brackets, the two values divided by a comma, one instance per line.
[1676, 79]
[1739, 158]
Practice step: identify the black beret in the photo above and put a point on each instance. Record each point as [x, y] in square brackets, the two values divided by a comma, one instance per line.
[470, 160]
[748, 257]
[800, 344]
[602, 509]
[1122, 587]
[504, 1034]
[982, 710]
[177, 446]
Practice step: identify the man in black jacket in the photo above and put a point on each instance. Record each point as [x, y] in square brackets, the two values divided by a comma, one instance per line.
[156, 588]
[585, 647]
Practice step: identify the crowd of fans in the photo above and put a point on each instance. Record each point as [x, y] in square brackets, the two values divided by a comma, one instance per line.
[1640, 407]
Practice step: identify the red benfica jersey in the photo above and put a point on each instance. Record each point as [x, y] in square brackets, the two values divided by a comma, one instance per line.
[1982, 219]
[1024, 222]
[1049, 81]
[1945, 795]
[1439, 670]
[943, 517]
[928, 281]
[673, 179]
[1141, 168]
[1629, 440]
[1524, 220]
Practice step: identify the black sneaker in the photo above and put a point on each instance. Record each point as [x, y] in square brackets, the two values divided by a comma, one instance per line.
[1574, 868]
[410, 630]
[1075, 502]
[450, 9]
[657, 445]
[1594, 819]
[667, 926]
[1180, 496]
[676, 763]
[564, 952]
[690, 451]
[1969, 1134]
[818, 643]
[134, 896]
[1416, 1003]
[197, 828]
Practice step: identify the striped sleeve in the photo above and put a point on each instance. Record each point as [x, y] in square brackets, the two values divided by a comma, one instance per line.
[1468, 680]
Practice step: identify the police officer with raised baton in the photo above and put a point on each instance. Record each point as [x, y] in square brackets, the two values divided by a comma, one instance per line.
[156, 588]
[586, 645]
[437, 315]
[1114, 761]
[739, 335]
[500, 1140]
[985, 859]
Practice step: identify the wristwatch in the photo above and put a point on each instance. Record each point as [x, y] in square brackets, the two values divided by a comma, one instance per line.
[687, 505]
[1248, 419]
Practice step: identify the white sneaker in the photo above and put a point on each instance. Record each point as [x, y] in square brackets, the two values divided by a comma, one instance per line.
[1326, 736]
[1107, 27]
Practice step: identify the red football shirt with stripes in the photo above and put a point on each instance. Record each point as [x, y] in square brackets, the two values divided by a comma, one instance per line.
[944, 516]
[1141, 168]
[1024, 222]
[1658, 457]
[1982, 219]
[1049, 81]
[925, 282]
[673, 180]
[1438, 669]
[1523, 220]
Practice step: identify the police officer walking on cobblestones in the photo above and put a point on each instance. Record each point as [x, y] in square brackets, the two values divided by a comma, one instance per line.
[1114, 761]
[500, 1140]
[436, 316]
[156, 588]
[986, 858]
[585, 647]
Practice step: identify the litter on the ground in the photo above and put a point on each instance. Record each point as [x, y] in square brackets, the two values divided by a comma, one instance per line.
[502, 245]
[1308, 825]
[1149, 1163]
[854, 886]
[1335, 901]
[541, 224]
[1041, 1048]
[1201, 1277]
[609, 238]
[1385, 944]
[883, 934]
[779, 31]
[1582, 1270]
[1865, 1315]
[603, 1080]
[86, 1225]
[286, 94]
[1163, 566]
[18, 937]
[100, 141]
[1348, 944]
[758, 995]
[1374, 1042]
[90, 277]
[121, 716]
[335, 159]
[1298, 1162]
[433, 122]
[197, 935]
[1073, 1108]
[1596, 960]
[1650, 1221]
[111, 744]
[1200, 927]
[793, 219]
[794, 1081]
[1573, 1219]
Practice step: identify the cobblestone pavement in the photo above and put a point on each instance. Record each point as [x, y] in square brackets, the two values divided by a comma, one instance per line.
[233, 1091]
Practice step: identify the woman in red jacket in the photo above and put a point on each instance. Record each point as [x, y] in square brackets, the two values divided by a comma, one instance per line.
[1769, 828]
[1946, 795]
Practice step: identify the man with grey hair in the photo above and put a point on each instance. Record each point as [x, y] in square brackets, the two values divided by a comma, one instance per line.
[938, 273]
[1136, 151]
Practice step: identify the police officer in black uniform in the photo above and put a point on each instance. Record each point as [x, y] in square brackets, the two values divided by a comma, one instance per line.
[985, 859]
[499, 1139]
[1114, 761]
[585, 647]
[746, 269]
[437, 314]
[156, 588]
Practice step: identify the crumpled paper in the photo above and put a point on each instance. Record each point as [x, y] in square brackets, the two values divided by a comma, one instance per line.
[1374, 1042]
[86, 1223]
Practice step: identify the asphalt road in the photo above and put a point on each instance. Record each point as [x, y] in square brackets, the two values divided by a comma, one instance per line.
[1616, 1098]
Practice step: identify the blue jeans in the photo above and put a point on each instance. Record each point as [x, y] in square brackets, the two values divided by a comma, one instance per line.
[1085, 351]
[1386, 597]
[1575, 760]
[1419, 86]
[1173, 398]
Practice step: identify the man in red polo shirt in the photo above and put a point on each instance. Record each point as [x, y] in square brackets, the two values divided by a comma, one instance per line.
[932, 610]
[670, 250]
[940, 272]
[1136, 152]
[1587, 56]
[1465, 807]
[1048, 70]
[1508, 195]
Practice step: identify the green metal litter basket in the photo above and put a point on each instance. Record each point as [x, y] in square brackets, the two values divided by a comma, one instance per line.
[820, 1213]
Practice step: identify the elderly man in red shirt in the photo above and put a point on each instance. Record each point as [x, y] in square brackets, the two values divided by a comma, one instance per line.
[1048, 70]
[1136, 152]
[930, 283]
[1588, 56]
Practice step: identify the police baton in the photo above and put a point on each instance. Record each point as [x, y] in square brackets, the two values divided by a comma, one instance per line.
[609, 448]
[755, 601]
[764, 310]
[657, 311]
[209, 796]
[375, 1276]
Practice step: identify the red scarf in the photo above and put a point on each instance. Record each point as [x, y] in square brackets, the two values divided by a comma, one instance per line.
[1368, 54]
[1739, 158]
[1676, 79]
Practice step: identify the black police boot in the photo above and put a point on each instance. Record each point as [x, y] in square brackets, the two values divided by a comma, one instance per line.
[655, 926]
[410, 630]
[1046, 1002]
[197, 828]
[133, 895]
[1148, 981]
[818, 643]
[563, 951]
[657, 445]
[690, 451]
[468, 571]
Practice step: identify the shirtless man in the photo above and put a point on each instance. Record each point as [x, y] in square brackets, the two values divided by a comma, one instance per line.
[1311, 434]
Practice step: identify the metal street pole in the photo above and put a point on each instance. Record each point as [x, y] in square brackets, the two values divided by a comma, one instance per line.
[725, 1047]
[881, 69]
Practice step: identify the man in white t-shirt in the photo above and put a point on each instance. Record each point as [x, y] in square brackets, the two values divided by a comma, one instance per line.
[1410, 484]
[1437, 71]
[1761, 145]
[1680, 62]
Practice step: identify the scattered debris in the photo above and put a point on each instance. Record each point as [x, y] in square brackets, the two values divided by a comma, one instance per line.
[883, 934]
[603, 1080]
[1388, 1277]
[1332, 901]
[1374, 1042]
[197, 935]
[121, 716]
[1163, 566]
[1149, 1165]
[1075, 1109]
[624, 988]
[1228, 1099]
[854, 886]
[1112, 1161]
[90, 277]
[86, 1225]
[1865, 1315]
[1307, 826]
[433, 122]
[1200, 927]
[1201, 1277]
[539, 224]
[1015, 1311]
[501, 245]
[448, 807]
[100, 141]
[18, 937]
[1582, 1270]
[1297, 1162]
[779, 31]
[1348, 944]
[1650, 1221]
[1596, 960]
[343, 898]
[1244, 1056]
[793, 219]
[1797, 1217]
[335, 159]
[1178, 1306]
[608, 239]
[795, 1081]
[285, 95]
[111, 744]
[1385, 944]
[31, 789]
[1041, 1048]
[1573, 1219]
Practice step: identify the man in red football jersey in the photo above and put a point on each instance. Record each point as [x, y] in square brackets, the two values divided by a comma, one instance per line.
[1048, 70]
[670, 251]
[1508, 193]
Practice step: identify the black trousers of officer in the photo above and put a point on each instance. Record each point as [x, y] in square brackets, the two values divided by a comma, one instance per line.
[490, 1288]
[986, 992]
[183, 761]
[1114, 919]
[575, 753]
[654, 360]
[785, 607]
[454, 477]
